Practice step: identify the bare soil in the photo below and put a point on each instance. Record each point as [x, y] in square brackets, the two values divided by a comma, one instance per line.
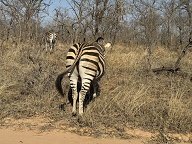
[9, 136]
[30, 131]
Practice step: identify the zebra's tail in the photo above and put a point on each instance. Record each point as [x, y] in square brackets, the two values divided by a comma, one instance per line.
[58, 82]
[60, 77]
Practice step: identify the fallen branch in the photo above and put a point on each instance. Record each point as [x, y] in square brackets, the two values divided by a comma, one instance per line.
[169, 69]
[176, 66]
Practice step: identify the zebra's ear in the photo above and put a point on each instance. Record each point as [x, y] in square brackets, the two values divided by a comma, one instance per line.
[100, 40]
[107, 45]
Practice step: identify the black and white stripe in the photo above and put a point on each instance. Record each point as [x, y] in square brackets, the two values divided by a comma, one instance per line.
[50, 38]
[84, 63]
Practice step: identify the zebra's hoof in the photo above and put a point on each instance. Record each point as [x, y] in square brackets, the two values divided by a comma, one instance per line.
[74, 114]
[80, 119]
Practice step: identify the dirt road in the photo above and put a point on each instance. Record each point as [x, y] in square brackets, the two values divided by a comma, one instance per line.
[9, 136]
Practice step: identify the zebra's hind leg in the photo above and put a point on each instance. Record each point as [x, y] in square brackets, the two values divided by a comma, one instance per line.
[74, 96]
[95, 89]
[46, 46]
[51, 47]
[82, 95]
[84, 88]
[73, 84]
[94, 92]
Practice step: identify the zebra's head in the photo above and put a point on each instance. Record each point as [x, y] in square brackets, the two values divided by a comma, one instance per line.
[100, 40]
[103, 44]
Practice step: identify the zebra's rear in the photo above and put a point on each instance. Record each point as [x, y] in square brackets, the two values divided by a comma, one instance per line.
[84, 63]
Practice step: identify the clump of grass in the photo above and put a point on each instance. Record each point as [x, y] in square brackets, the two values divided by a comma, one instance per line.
[27, 87]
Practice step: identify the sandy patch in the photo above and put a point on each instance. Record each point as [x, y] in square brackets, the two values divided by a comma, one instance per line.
[29, 131]
[9, 136]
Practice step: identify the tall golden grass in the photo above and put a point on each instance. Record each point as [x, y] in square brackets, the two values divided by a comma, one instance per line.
[131, 94]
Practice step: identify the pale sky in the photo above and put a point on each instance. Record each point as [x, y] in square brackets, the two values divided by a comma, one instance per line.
[58, 3]
[55, 4]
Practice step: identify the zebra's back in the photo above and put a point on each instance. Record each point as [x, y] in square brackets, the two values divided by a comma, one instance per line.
[93, 61]
[73, 54]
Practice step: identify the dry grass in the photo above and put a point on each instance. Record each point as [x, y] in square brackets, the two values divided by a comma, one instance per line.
[133, 94]
[130, 93]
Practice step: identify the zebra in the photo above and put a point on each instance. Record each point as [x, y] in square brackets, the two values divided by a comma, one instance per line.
[85, 63]
[50, 38]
